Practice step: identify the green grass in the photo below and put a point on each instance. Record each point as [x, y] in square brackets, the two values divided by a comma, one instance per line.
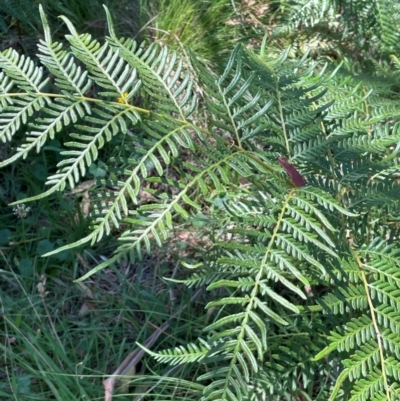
[203, 26]
[60, 340]
[21, 28]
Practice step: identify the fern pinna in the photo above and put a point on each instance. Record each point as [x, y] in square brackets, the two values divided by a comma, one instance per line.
[302, 268]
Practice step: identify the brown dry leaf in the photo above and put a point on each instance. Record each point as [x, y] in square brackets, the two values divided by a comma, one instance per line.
[84, 309]
[83, 186]
[308, 291]
[83, 261]
[11, 340]
[250, 11]
[86, 290]
[85, 204]
[146, 196]
[128, 366]
[41, 286]
[87, 308]
[102, 24]
[188, 237]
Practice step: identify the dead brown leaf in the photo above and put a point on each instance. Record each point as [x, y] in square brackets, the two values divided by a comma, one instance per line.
[83, 186]
[87, 308]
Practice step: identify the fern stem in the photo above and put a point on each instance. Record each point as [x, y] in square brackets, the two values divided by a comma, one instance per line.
[277, 226]
[283, 121]
[228, 109]
[254, 292]
[88, 99]
[374, 322]
[330, 157]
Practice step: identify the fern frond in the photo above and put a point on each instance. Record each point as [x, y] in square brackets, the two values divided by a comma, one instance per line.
[69, 76]
[15, 116]
[106, 68]
[161, 73]
[22, 70]
[188, 354]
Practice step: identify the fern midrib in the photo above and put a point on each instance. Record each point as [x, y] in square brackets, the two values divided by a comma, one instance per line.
[254, 293]
[81, 98]
[374, 321]
[288, 150]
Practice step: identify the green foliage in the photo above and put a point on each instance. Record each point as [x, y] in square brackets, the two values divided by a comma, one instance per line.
[205, 144]
[62, 356]
[24, 11]
[204, 26]
[360, 32]
[20, 22]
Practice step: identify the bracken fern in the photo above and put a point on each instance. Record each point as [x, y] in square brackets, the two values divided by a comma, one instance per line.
[269, 240]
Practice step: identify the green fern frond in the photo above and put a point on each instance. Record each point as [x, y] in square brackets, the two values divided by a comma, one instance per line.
[161, 73]
[22, 70]
[69, 76]
[189, 354]
[104, 65]
[15, 116]
[387, 14]
[26, 79]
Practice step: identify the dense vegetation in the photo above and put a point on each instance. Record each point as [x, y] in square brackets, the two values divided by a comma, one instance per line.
[221, 200]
